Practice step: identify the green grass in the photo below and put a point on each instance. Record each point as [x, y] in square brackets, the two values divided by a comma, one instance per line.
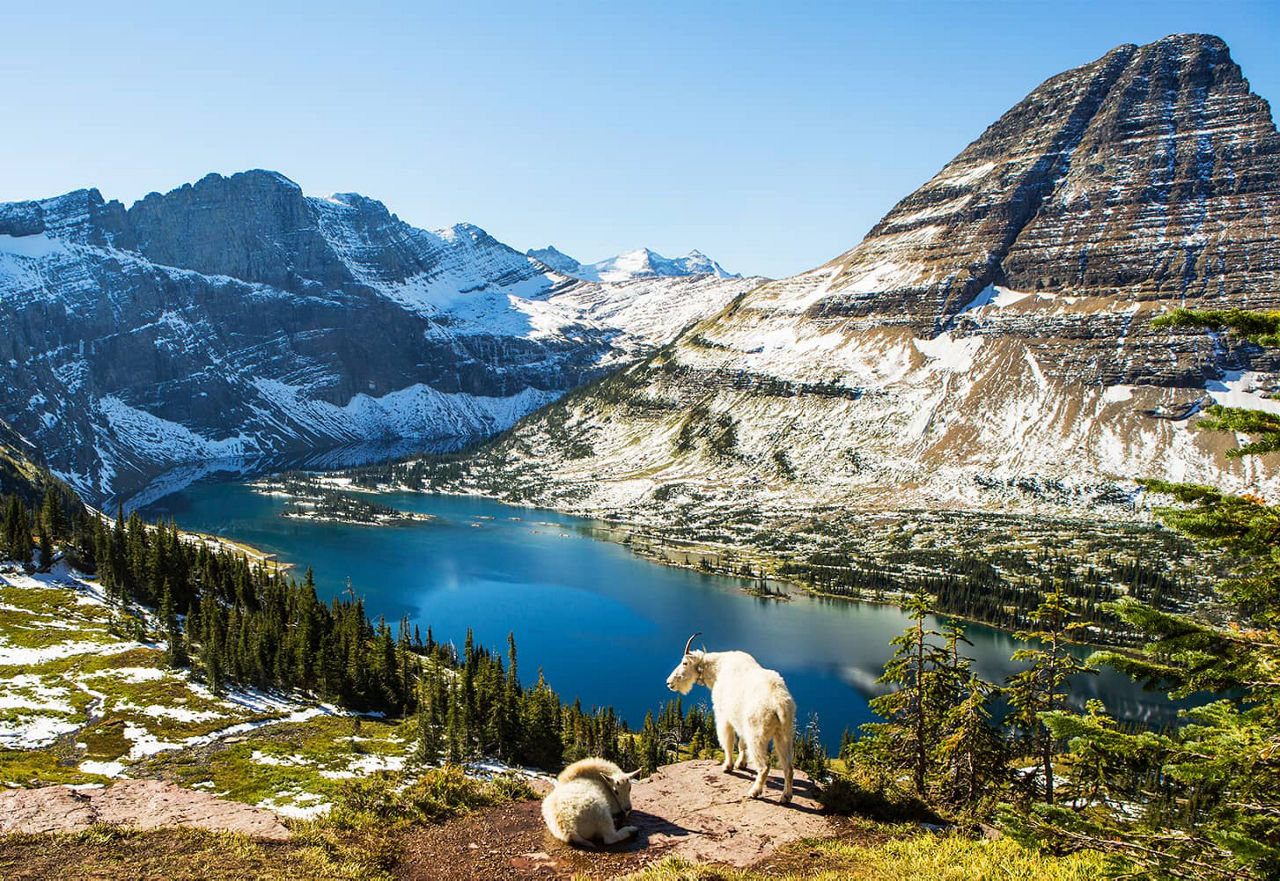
[109, 852]
[42, 767]
[920, 857]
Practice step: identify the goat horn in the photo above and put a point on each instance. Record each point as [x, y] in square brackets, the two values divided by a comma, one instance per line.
[690, 642]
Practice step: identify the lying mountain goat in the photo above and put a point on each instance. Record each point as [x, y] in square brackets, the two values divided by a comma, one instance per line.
[750, 703]
[587, 795]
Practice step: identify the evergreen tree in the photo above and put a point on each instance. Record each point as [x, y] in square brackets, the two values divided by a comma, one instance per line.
[51, 512]
[912, 712]
[540, 719]
[212, 643]
[810, 754]
[175, 653]
[431, 741]
[45, 543]
[651, 753]
[971, 752]
[1044, 685]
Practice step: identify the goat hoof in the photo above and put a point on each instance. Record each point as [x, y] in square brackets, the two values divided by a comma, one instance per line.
[786, 799]
[726, 768]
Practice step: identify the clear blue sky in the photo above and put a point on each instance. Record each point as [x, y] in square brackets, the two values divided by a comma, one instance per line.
[770, 135]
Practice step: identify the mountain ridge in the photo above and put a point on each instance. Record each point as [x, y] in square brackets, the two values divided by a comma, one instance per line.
[238, 318]
[987, 346]
[631, 265]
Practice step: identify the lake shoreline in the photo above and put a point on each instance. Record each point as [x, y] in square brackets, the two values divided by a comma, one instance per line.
[627, 538]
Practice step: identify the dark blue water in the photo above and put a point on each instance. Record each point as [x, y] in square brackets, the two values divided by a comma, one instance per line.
[604, 625]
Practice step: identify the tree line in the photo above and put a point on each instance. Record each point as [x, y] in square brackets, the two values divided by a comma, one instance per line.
[1007, 594]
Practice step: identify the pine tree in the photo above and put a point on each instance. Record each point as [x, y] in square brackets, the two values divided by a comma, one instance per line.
[1044, 685]
[971, 753]
[175, 653]
[541, 745]
[211, 644]
[651, 754]
[52, 514]
[45, 544]
[912, 713]
[431, 741]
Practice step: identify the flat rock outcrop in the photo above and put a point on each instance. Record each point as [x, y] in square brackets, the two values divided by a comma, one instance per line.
[697, 812]
[691, 810]
[139, 804]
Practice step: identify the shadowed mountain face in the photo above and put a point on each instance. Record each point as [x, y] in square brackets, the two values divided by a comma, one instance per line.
[236, 317]
[987, 345]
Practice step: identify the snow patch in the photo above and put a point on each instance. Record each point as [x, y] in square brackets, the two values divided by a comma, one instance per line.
[13, 656]
[949, 353]
[1237, 389]
[996, 297]
[106, 769]
[33, 247]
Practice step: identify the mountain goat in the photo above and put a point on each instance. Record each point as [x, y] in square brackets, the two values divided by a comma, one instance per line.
[588, 794]
[750, 703]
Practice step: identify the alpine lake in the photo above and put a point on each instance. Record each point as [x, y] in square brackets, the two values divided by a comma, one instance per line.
[602, 624]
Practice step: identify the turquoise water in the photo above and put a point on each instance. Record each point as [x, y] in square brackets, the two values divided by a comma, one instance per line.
[604, 625]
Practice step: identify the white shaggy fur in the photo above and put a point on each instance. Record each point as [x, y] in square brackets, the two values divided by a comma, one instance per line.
[587, 795]
[752, 706]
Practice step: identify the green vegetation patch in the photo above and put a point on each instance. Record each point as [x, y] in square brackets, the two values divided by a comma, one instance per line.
[290, 764]
[949, 857]
[42, 767]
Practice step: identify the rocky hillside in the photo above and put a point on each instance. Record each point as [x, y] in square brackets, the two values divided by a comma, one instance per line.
[236, 318]
[987, 346]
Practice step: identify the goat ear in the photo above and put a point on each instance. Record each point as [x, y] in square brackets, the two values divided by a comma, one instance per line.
[633, 775]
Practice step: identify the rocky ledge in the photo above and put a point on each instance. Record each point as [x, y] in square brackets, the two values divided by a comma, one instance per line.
[139, 804]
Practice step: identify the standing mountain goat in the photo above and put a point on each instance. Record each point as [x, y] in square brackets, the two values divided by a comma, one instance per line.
[750, 703]
[588, 794]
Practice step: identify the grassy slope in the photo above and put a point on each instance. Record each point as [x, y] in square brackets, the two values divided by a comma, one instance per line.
[82, 700]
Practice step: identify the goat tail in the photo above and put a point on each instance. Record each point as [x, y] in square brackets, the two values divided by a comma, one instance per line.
[786, 742]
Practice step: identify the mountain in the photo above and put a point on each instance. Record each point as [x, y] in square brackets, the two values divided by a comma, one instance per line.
[632, 265]
[987, 347]
[237, 318]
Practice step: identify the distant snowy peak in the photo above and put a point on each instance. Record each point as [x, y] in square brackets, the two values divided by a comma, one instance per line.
[631, 265]
[557, 260]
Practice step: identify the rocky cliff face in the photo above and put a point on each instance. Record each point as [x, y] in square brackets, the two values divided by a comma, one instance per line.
[988, 345]
[237, 317]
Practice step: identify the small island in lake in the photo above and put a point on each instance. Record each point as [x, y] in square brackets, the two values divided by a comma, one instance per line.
[310, 498]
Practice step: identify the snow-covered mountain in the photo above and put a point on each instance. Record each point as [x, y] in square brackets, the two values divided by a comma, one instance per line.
[632, 265]
[988, 345]
[237, 317]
